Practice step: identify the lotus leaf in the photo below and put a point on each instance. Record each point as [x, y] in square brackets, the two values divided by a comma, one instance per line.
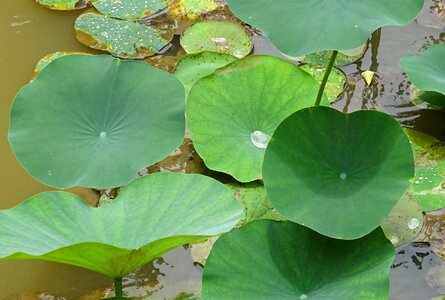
[427, 72]
[121, 38]
[306, 26]
[95, 121]
[404, 221]
[64, 4]
[336, 80]
[283, 260]
[132, 230]
[191, 9]
[343, 57]
[327, 170]
[222, 36]
[129, 9]
[193, 67]
[232, 112]
[43, 62]
[256, 203]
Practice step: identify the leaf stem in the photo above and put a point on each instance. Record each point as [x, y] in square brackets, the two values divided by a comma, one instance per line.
[325, 77]
[118, 287]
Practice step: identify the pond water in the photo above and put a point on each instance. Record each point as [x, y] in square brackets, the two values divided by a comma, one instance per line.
[29, 32]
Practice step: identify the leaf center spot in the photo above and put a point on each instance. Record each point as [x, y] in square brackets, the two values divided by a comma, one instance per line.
[260, 139]
[343, 176]
[302, 297]
[103, 135]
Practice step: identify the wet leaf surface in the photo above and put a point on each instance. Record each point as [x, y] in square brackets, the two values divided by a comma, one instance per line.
[121, 38]
[222, 36]
[129, 9]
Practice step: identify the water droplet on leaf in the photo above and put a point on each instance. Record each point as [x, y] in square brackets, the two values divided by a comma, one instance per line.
[413, 223]
[260, 139]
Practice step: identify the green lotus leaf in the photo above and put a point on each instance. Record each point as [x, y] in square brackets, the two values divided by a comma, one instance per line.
[95, 121]
[232, 113]
[222, 36]
[256, 203]
[404, 221]
[429, 187]
[64, 4]
[151, 216]
[427, 72]
[306, 26]
[129, 9]
[193, 67]
[44, 61]
[121, 38]
[336, 80]
[328, 170]
[283, 260]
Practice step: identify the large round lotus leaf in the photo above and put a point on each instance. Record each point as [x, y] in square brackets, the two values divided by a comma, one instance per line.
[95, 121]
[427, 70]
[222, 36]
[151, 216]
[284, 260]
[336, 80]
[63, 4]
[429, 187]
[121, 38]
[306, 26]
[339, 174]
[193, 67]
[232, 113]
[129, 9]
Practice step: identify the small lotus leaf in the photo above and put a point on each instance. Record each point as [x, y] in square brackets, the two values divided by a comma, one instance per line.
[222, 36]
[151, 216]
[427, 72]
[343, 57]
[327, 170]
[64, 4]
[336, 80]
[306, 26]
[129, 9]
[121, 38]
[193, 67]
[283, 260]
[230, 111]
[95, 121]
[404, 221]
[191, 9]
[256, 203]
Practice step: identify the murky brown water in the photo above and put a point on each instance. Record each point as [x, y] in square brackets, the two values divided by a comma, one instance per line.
[28, 32]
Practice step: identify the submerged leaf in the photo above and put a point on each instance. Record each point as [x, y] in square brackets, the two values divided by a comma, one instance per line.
[95, 121]
[306, 26]
[121, 38]
[405, 221]
[336, 80]
[232, 112]
[284, 260]
[64, 4]
[222, 36]
[193, 67]
[191, 9]
[129, 9]
[327, 170]
[132, 230]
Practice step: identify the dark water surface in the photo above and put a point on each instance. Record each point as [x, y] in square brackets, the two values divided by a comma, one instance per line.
[28, 32]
